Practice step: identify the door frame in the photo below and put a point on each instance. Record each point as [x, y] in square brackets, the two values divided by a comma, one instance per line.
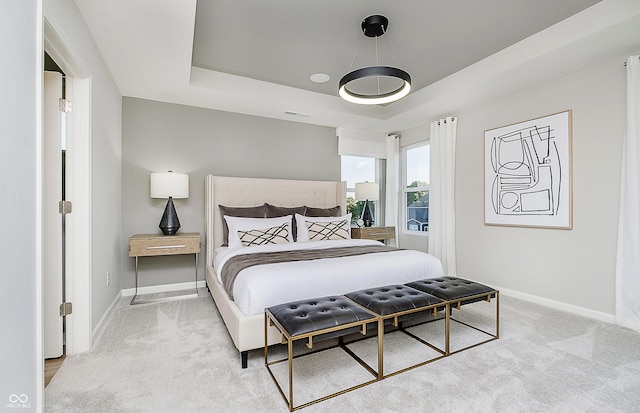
[78, 185]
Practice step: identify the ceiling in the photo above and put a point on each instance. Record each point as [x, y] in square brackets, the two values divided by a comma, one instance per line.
[285, 42]
[256, 57]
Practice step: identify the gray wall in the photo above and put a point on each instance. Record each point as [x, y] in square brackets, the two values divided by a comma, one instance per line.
[159, 136]
[577, 266]
[21, 259]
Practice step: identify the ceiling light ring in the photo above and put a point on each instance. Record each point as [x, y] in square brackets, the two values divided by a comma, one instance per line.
[375, 26]
[375, 71]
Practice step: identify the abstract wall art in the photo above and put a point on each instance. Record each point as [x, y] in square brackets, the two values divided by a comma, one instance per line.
[527, 173]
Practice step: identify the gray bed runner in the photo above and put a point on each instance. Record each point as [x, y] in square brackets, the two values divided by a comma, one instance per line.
[234, 265]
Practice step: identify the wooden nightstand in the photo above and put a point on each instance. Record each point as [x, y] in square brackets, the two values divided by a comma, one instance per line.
[149, 245]
[375, 233]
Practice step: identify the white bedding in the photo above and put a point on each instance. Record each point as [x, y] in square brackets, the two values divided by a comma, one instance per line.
[260, 287]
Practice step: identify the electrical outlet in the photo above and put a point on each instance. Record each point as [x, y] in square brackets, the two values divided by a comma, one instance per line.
[108, 278]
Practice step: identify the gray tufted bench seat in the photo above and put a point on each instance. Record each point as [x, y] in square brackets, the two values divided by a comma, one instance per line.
[458, 292]
[319, 318]
[396, 303]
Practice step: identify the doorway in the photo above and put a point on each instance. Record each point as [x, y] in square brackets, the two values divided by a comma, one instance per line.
[54, 147]
[78, 326]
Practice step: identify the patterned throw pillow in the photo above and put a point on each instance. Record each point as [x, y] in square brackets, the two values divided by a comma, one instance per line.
[274, 235]
[320, 231]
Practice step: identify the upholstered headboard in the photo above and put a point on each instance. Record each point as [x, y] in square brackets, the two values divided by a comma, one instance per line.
[239, 192]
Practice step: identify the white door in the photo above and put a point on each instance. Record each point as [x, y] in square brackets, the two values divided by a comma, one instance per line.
[52, 220]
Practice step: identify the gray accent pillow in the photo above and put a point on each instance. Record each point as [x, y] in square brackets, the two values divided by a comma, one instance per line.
[274, 211]
[323, 212]
[244, 212]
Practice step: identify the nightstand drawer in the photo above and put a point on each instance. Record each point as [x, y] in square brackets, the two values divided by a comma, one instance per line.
[375, 233]
[143, 245]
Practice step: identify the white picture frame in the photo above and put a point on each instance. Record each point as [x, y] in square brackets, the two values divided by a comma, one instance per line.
[528, 173]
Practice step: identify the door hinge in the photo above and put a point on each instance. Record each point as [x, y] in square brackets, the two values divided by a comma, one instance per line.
[64, 207]
[65, 309]
[65, 105]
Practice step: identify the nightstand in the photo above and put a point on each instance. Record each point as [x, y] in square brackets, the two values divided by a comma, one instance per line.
[150, 245]
[375, 233]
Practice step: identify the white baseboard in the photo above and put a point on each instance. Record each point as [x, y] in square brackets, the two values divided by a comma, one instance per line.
[99, 328]
[162, 288]
[570, 308]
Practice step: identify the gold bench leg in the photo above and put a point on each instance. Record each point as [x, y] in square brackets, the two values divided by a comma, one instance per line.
[290, 347]
[447, 329]
[380, 349]
[497, 314]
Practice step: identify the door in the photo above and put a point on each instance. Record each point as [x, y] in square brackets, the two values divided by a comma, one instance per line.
[52, 219]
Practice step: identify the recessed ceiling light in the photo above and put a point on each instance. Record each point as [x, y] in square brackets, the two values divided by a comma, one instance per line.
[319, 78]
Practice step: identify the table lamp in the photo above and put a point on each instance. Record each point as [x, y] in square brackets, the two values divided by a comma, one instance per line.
[367, 191]
[169, 185]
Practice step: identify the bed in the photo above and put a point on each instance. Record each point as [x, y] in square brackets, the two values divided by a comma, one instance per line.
[244, 316]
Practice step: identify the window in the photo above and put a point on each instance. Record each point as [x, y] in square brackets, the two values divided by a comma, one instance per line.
[358, 169]
[415, 178]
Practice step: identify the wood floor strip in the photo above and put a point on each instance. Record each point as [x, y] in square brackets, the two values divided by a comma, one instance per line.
[51, 367]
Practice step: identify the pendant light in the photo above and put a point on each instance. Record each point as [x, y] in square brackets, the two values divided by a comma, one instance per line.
[375, 26]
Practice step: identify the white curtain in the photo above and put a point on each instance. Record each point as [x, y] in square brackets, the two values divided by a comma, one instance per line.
[392, 185]
[628, 256]
[442, 215]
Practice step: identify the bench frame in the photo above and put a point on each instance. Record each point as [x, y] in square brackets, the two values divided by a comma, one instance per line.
[434, 308]
[458, 303]
[271, 321]
[449, 305]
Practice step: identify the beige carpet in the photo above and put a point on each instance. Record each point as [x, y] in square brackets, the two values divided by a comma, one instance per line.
[177, 357]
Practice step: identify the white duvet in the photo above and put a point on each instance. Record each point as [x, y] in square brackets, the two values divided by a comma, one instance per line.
[263, 286]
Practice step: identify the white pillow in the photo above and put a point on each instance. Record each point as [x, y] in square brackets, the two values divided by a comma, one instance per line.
[236, 224]
[303, 230]
[273, 235]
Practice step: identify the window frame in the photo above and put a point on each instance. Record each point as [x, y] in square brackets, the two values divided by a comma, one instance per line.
[406, 189]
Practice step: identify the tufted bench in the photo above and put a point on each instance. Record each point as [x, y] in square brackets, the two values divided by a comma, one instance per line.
[457, 292]
[395, 303]
[320, 318]
[337, 316]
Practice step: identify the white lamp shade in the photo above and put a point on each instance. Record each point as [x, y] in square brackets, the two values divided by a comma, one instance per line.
[367, 190]
[169, 184]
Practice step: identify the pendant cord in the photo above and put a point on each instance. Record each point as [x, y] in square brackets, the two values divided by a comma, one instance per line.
[377, 64]
[353, 60]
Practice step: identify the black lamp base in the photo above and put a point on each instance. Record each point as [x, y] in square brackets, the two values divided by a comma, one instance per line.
[169, 224]
[366, 214]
